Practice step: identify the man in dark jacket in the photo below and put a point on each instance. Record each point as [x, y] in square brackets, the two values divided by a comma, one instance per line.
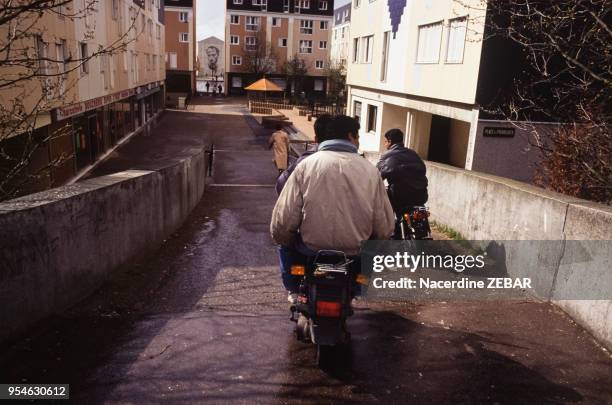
[321, 127]
[405, 172]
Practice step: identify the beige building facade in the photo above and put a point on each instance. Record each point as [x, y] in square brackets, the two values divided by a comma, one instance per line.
[293, 29]
[415, 66]
[181, 60]
[100, 79]
[341, 36]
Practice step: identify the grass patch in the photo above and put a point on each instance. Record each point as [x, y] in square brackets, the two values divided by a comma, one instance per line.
[448, 231]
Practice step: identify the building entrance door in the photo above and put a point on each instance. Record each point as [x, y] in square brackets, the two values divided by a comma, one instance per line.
[439, 137]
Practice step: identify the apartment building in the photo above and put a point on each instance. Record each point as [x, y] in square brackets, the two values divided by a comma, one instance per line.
[341, 36]
[181, 62]
[290, 29]
[100, 78]
[424, 67]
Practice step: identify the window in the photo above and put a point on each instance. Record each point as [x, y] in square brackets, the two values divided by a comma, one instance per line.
[84, 56]
[60, 11]
[276, 22]
[236, 81]
[322, 44]
[357, 111]
[115, 6]
[250, 43]
[336, 33]
[368, 48]
[234, 40]
[357, 3]
[306, 26]
[303, 4]
[456, 40]
[172, 60]
[61, 56]
[135, 66]
[260, 2]
[111, 70]
[286, 6]
[252, 23]
[183, 16]
[237, 1]
[42, 48]
[305, 46]
[355, 50]
[323, 25]
[282, 42]
[236, 60]
[318, 85]
[322, 5]
[343, 32]
[157, 31]
[150, 29]
[372, 111]
[428, 47]
[183, 37]
[234, 19]
[385, 56]
[319, 64]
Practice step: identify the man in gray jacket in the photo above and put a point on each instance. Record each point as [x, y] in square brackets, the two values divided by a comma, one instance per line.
[335, 199]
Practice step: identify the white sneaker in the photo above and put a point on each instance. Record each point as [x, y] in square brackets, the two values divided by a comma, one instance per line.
[292, 298]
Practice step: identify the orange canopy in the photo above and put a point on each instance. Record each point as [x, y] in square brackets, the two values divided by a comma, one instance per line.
[263, 85]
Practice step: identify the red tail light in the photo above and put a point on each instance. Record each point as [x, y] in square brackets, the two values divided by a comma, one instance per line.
[328, 308]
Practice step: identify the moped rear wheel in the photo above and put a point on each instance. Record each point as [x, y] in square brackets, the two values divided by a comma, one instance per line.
[326, 356]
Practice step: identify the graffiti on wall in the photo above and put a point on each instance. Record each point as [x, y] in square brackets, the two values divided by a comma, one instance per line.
[396, 10]
[211, 58]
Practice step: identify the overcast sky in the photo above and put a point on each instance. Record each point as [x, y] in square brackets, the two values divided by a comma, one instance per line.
[210, 18]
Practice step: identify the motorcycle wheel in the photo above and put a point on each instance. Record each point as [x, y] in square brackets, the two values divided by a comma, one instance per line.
[334, 358]
[326, 356]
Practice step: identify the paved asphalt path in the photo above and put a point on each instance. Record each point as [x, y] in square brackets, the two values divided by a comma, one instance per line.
[203, 319]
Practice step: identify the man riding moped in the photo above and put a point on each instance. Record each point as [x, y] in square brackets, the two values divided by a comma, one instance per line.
[405, 173]
[334, 199]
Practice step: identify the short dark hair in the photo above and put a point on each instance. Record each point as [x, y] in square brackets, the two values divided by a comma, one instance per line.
[343, 125]
[278, 126]
[395, 136]
[321, 127]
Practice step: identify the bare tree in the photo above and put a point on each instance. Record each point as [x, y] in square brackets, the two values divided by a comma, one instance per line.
[34, 79]
[336, 80]
[563, 74]
[295, 69]
[259, 57]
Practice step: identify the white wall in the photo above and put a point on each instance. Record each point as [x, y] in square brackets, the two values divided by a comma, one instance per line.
[443, 81]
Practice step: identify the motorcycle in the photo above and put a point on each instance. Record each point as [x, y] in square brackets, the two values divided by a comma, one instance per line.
[413, 224]
[327, 286]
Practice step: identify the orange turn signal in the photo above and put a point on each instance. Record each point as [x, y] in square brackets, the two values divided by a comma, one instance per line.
[297, 270]
[361, 279]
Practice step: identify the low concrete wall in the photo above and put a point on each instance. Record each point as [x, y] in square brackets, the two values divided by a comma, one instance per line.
[487, 207]
[57, 246]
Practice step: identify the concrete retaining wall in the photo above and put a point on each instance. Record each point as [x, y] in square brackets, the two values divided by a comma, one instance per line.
[57, 246]
[486, 207]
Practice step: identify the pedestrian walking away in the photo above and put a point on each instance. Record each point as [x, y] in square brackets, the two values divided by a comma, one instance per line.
[279, 143]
